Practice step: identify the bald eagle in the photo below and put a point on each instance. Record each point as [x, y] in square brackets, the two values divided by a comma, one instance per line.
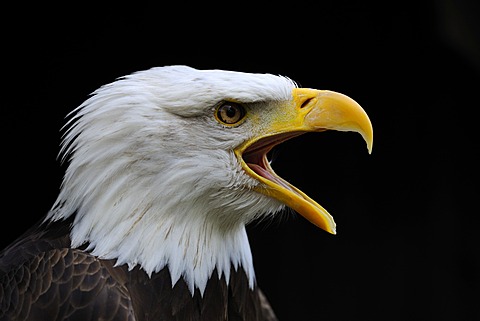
[166, 167]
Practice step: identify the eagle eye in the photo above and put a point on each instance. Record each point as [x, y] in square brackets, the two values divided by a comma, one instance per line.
[230, 113]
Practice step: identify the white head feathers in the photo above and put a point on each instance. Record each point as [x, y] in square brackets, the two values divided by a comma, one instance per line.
[152, 177]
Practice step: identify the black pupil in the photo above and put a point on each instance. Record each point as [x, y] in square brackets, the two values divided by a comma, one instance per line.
[230, 111]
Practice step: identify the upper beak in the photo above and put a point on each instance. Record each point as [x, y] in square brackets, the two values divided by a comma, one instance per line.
[310, 110]
[331, 110]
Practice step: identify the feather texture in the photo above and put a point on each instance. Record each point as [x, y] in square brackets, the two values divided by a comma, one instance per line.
[45, 279]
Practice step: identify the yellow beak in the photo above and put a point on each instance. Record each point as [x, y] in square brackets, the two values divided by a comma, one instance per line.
[309, 110]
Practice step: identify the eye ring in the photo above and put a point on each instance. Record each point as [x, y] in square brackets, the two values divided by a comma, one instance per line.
[230, 113]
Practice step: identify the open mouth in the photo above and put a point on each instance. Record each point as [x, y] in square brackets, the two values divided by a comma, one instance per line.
[255, 156]
[310, 111]
[254, 160]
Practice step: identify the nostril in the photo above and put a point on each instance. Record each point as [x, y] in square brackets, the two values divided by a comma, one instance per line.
[306, 102]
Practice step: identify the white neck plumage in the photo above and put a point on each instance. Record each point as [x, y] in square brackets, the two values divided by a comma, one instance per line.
[146, 221]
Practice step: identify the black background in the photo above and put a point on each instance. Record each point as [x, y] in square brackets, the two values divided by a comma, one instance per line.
[407, 215]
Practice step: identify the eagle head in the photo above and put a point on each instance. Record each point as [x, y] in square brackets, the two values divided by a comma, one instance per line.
[166, 166]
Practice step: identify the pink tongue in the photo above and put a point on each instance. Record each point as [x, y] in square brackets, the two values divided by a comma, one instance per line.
[266, 174]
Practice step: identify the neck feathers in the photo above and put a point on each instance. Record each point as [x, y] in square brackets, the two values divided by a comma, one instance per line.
[132, 221]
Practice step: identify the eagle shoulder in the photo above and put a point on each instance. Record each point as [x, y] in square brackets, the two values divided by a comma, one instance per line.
[42, 278]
